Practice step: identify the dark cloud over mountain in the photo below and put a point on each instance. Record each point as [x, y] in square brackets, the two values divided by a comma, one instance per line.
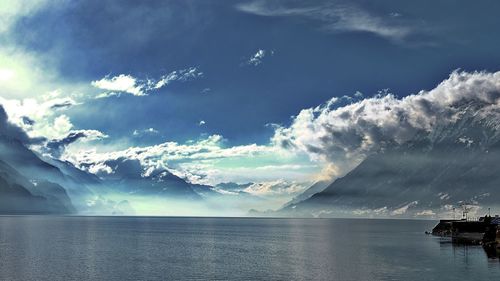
[10, 130]
[345, 135]
[418, 156]
[56, 147]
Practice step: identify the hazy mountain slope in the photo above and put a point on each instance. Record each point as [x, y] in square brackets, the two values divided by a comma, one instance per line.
[54, 193]
[75, 182]
[72, 172]
[19, 196]
[454, 163]
[205, 191]
[16, 154]
[313, 189]
[232, 187]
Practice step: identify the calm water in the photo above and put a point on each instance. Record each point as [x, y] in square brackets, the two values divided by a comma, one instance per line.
[114, 248]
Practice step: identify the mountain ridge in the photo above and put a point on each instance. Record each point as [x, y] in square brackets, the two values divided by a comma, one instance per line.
[452, 164]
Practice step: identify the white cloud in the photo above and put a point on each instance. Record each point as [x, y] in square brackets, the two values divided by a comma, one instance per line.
[206, 161]
[426, 213]
[33, 93]
[56, 147]
[402, 210]
[131, 85]
[107, 95]
[121, 83]
[91, 135]
[350, 18]
[209, 172]
[257, 58]
[443, 196]
[335, 136]
[46, 116]
[276, 188]
[178, 75]
[161, 154]
[62, 125]
[125, 83]
[333, 16]
[372, 212]
[148, 131]
[342, 136]
[202, 122]
[100, 168]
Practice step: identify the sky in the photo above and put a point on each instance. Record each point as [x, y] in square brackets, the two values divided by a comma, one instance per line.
[220, 91]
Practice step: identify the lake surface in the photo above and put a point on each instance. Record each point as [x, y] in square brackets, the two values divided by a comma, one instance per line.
[138, 248]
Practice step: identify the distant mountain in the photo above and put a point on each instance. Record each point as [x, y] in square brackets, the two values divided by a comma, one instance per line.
[313, 189]
[237, 190]
[44, 169]
[72, 172]
[18, 195]
[205, 191]
[459, 162]
[48, 184]
[170, 185]
[128, 177]
[16, 154]
[232, 186]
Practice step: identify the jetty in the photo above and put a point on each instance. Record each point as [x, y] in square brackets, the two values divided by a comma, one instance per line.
[482, 231]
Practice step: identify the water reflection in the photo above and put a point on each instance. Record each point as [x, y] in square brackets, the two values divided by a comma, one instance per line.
[467, 250]
[492, 252]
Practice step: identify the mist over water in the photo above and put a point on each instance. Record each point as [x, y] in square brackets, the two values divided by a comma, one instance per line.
[142, 248]
[148, 205]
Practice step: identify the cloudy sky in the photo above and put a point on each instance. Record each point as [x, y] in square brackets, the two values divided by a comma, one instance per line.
[244, 91]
